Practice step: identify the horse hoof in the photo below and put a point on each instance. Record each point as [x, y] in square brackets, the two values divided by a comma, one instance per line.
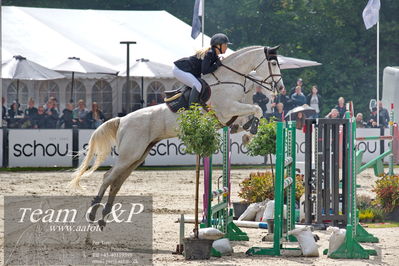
[248, 124]
[254, 126]
[102, 224]
[246, 139]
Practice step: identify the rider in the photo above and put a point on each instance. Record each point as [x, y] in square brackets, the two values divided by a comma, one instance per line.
[188, 69]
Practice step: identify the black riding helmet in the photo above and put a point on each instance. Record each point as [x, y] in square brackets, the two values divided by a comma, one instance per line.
[219, 38]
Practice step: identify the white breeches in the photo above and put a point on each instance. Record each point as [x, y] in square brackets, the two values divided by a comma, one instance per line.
[187, 78]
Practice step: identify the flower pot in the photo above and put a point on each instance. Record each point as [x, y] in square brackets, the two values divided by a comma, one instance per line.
[197, 249]
[239, 208]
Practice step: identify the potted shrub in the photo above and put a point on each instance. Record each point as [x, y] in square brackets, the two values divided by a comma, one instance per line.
[259, 186]
[387, 195]
[263, 143]
[199, 133]
[379, 215]
[366, 215]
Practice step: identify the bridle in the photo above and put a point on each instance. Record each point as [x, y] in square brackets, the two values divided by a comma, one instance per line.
[269, 85]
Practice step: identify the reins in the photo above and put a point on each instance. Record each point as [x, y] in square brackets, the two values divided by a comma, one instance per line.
[249, 77]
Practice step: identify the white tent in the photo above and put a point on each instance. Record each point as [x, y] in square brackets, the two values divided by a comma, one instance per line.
[48, 36]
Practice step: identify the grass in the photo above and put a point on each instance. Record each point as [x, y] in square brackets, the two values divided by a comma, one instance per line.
[381, 225]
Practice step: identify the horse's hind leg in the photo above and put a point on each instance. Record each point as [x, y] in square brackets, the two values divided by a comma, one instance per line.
[117, 184]
[127, 162]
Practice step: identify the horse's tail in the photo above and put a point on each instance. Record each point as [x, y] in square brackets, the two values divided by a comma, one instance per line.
[100, 145]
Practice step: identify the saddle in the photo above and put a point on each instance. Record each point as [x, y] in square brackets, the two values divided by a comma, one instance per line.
[179, 98]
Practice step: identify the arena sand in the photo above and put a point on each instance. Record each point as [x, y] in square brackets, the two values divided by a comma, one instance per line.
[173, 194]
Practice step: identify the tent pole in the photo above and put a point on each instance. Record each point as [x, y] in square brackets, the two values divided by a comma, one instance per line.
[142, 92]
[73, 81]
[17, 100]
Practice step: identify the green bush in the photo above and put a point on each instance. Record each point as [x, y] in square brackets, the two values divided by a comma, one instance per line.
[198, 131]
[259, 186]
[364, 202]
[366, 215]
[379, 214]
[264, 142]
[387, 192]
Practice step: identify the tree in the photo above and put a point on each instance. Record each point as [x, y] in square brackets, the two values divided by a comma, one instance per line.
[328, 31]
[264, 142]
[199, 133]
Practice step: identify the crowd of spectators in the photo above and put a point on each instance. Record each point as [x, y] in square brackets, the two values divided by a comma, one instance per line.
[282, 103]
[49, 116]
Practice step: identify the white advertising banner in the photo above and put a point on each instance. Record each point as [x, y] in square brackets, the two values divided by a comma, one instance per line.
[371, 147]
[40, 147]
[84, 137]
[170, 152]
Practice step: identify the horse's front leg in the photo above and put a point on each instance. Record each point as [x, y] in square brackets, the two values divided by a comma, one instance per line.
[227, 111]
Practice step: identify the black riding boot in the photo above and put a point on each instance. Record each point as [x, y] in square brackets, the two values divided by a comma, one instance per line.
[194, 97]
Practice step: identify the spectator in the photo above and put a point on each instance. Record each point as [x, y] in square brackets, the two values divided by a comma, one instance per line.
[29, 114]
[14, 115]
[300, 120]
[315, 101]
[55, 102]
[384, 115]
[372, 121]
[359, 121]
[333, 114]
[80, 115]
[299, 83]
[95, 117]
[298, 98]
[260, 99]
[283, 98]
[341, 108]
[66, 120]
[52, 115]
[40, 118]
[278, 114]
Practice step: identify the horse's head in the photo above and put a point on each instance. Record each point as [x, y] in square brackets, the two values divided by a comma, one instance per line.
[270, 69]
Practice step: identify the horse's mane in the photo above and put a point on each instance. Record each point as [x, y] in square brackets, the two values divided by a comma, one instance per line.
[239, 52]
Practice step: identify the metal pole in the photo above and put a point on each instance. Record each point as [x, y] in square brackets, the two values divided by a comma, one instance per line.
[17, 100]
[378, 72]
[203, 21]
[127, 62]
[1, 60]
[197, 174]
[142, 92]
[72, 84]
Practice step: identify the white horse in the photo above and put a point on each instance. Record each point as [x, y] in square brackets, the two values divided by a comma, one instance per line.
[136, 133]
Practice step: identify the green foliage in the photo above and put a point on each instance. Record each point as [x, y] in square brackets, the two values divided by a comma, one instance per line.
[264, 142]
[330, 32]
[379, 214]
[363, 202]
[365, 215]
[387, 192]
[198, 131]
[259, 186]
